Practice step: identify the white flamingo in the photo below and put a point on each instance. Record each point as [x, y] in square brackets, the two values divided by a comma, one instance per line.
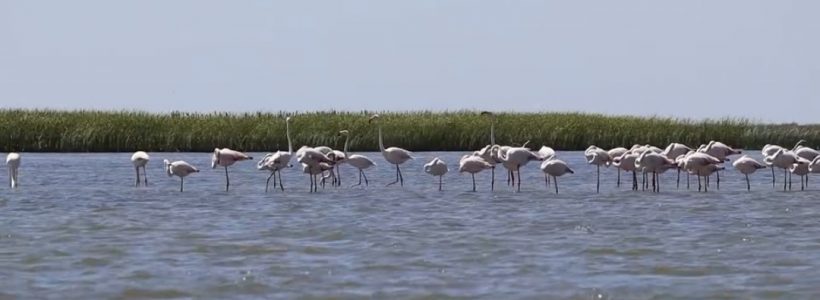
[317, 169]
[652, 162]
[13, 163]
[275, 162]
[473, 164]
[181, 169]
[626, 162]
[675, 150]
[783, 159]
[598, 157]
[515, 158]
[747, 165]
[359, 162]
[613, 153]
[720, 151]
[436, 167]
[801, 168]
[226, 157]
[393, 155]
[139, 159]
[700, 164]
[806, 153]
[555, 168]
[314, 161]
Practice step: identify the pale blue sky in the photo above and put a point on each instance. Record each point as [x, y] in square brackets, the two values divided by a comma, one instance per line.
[691, 59]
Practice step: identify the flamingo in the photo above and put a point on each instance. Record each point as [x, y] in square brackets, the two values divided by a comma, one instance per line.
[179, 168]
[613, 153]
[655, 163]
[769, 150]
[801, 168]
[626, 162]
[700, 164]
[339, 157]
[807, 153]
[783, 159]
[314, 160]
[393, 155]
[13, 163]
[747, 165]
[555, 167]
[226, 157]
[139, 159]
[517, 157]
[814, 166]
[436, 167]
[675, 150]
[473, 164]
[598, 157]
[316, 169]
[720, 151]
[359, 162]
[275, 162]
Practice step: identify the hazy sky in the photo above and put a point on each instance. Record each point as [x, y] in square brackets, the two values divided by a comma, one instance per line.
[692, 59]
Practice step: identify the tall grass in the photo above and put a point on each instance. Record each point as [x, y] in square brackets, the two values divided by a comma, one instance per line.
[100, 131]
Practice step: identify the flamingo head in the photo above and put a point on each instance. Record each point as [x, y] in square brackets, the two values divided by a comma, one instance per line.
[344, 132]
[167, 167]
[287, 119]
[215, 158]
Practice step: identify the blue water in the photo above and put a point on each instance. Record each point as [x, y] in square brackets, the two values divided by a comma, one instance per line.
[77, 228]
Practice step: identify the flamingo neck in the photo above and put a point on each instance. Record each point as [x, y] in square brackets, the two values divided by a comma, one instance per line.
[492, 133]
[381, 143]
[347, 139]
[287, 133]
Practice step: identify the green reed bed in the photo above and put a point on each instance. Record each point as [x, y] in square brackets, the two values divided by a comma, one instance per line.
[103, 131]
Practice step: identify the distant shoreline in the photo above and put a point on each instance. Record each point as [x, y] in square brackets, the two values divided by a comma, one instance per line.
[126, 131]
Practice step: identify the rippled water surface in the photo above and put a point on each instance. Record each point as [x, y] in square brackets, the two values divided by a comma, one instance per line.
[77, 228]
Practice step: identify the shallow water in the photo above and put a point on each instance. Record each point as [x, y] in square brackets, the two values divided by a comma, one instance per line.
[77, 228]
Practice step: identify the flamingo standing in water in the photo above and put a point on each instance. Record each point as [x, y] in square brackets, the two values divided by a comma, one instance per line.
[783, 159]
[181, 169]
[747, 165]
[613, 153]
[139, 159]
[626, 162]
[721, 151]
[275, 162]
[473, 164]
[598, 157]
[314, 161]
[13, 163]
[555, 167]
[675, 150]
[801, 168]
[436, 167]
[226, 157]
[359, 162]
[515, 158]
[393, 155]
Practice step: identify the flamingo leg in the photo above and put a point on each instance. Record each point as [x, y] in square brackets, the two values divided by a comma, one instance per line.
[634, 181]
[773, 177]
[785, 172]
[598, 180]
[748, 185]
[699, 185]
[397, 177]
[281, 185]
[687, 180]
[181, 183]
[492, 180]
[717, 174]
[473, 175]
[678, 178]
[802, 186]
[227, 180]
[145, 175]
[136, 168]
[401, 178]
[360, 179]
[547, 181]
[619, 178]
[365, 178]
[555, 180]
[267, 183]
[518, 171]
[440, 179]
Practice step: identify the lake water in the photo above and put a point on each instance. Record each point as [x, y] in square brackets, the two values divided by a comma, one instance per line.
[77, 228]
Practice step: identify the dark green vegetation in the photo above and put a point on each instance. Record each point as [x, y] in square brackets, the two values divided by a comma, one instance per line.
[97, 131]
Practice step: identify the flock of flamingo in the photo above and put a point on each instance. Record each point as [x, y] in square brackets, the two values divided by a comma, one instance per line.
[322, 163]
